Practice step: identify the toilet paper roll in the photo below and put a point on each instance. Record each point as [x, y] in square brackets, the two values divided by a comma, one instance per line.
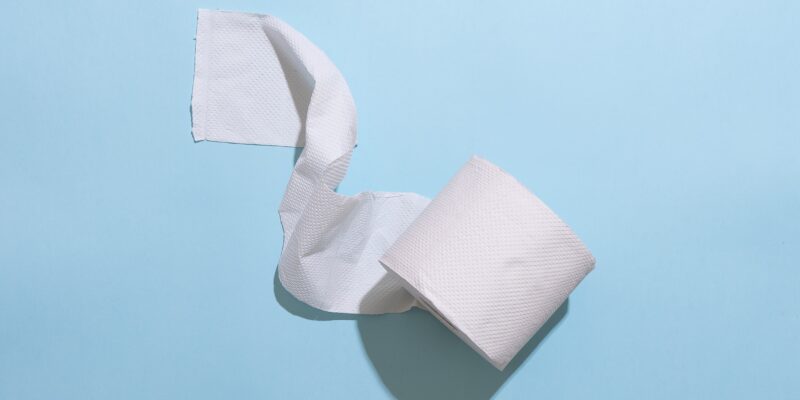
[487, 257]
[489, 260]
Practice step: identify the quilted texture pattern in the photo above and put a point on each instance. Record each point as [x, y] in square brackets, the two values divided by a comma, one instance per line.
[486, 257]
[259, 81]
[490, 260]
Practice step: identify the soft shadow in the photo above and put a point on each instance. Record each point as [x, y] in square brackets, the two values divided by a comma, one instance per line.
[303, 310]
[301, 83]
[417, 357]
[297, 151]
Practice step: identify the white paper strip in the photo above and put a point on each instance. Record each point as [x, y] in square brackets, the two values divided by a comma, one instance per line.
[487, 257]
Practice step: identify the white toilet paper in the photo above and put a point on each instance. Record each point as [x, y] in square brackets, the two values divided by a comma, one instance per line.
[490, 260]
[486, 257]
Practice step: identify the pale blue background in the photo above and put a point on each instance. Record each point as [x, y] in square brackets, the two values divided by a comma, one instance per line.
[135, 264]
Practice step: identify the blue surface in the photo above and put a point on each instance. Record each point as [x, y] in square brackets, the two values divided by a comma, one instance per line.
[136, 264]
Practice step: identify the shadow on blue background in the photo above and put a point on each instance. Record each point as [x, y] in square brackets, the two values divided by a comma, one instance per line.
[416, 357]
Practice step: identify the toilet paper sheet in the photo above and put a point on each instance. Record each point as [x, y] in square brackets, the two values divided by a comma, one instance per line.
[486, 257]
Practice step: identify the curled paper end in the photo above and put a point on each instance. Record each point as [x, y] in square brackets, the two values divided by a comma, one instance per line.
[486, 256]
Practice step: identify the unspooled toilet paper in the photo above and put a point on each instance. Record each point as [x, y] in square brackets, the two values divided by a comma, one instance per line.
[486, 256]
